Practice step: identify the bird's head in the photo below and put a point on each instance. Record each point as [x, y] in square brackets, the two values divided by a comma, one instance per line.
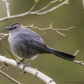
[16, 27]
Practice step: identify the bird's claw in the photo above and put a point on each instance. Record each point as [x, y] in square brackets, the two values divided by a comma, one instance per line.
[24, 66]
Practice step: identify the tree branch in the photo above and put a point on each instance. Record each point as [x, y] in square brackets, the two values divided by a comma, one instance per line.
[51, 28]
[41, 13]
[83, 3]
[76, 52]
[29, 12]
[46, 6]
[77, 62]
[7, 8]
[33, 6]
[2, 35]
[30, 70]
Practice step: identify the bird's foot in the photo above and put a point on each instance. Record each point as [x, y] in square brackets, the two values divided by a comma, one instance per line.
[24, 67]
[19, 62]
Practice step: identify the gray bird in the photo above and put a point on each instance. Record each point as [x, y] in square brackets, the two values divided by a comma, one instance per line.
[26, 44]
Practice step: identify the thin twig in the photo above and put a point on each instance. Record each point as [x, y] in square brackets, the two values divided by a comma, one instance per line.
[30, 10]
[50, 9]
[60, 33]
[2, 65]
[77, 62]
[2, 35]
[7, 8]
[43, 34]
[9, 52]
[9, 77]
[46, 6]
[76, 52]
[33, 7]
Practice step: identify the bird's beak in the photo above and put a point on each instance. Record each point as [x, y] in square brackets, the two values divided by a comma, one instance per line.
[8, 28]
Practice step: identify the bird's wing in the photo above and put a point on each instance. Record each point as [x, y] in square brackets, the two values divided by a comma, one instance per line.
[33, 41]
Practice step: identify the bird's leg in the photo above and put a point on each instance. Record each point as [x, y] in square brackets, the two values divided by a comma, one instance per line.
[27, 64]
[21, 61]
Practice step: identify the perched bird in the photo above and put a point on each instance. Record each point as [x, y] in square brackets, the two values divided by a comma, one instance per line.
[26, 44]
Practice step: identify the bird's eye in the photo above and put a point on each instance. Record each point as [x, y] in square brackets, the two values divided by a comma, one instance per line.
[14, 27]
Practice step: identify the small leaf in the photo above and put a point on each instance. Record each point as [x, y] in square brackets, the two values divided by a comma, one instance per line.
[36, 0]
[67, 3]
[51, 2]
[60, 0]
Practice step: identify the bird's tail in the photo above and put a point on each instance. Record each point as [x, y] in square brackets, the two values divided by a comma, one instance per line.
[61, 54]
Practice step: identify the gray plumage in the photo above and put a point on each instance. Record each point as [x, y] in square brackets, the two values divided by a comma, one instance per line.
[25, 43]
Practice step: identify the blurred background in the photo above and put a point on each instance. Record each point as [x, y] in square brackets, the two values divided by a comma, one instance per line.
[60, 70]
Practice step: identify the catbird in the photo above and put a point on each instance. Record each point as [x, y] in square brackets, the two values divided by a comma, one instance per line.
[26, 44]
